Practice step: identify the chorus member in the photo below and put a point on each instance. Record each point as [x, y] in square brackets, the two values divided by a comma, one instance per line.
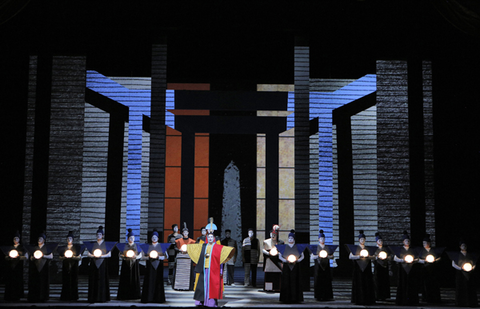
[38, 271]
[290, 254]
[70, 255]
[465, 286]
[272, 266]
[363, 292]
[381, 270]
[130, 254]
[209, 257]
[408, 275]
[250, 257]
[322, 270]
[228, 241]
[172, 252]
[15, 256]
[98, 279]
[183, 270]
[153, 284]
[203, 238]
[429, 258]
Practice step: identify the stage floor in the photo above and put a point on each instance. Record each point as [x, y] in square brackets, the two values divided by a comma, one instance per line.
[234, 297]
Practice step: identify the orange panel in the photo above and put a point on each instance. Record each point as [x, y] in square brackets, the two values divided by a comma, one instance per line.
[202, 144]
[172, 131]
[172, 182]
[172, 216]
[201, 182]
[200, 215]
[173, 156]
[188, 86]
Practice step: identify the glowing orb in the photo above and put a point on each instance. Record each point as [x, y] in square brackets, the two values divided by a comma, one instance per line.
[364, 253]
[323, 254]
[13, 254]
[130, 254]
[467, 267]
[153, 254]
[97, 253]
[430, 258]
[68, 253]
[408, 259]
[382, 255]
[38, 254]
[184, 248]
[291, 258]
[274, 251]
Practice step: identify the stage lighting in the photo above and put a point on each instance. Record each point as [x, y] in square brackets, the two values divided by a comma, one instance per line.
[382, 255]
[13, 254]
[323, 254]
[408, 259]
[292, 258]
[97, 253]
[274, 251]
[38, 254]
[153, 254]
[68, 254]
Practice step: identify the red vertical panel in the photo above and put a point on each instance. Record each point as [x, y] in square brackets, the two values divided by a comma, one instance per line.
[173, 164]
[202, 156]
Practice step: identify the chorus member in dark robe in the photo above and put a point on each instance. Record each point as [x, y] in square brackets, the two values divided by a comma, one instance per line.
[38, 272]
[172, 252]
[153, 284]
[429, 258]
[291, 254]
[408, 274]
[381, 270]
[70, 255]
[98, 279]
[363, 289]
[250, 257]
[228, 241]
[15, 256]
[272, 266]
[184, 276]
[209, 257]
[322, 271]
[202, 239]
[465, 286]
[130, 254]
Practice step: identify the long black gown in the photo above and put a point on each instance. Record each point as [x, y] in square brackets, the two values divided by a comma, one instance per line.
[408, 280]
[129, 284]
[363, 292]
[430, 286]
[98, 280]
[465, 285]
[291, 289]
[38, 277]
[69, 273]
[153, 283]
[381, 277]
[323, 276]
[14, 289]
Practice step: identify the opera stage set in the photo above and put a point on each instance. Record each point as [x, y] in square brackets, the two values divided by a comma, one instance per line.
[170, 119]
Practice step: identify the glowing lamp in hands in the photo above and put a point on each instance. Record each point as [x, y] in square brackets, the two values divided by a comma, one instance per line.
[467, 267]
[68, 254]
[153, 254]
[408, 259]
[183, 248]
[430, 258]
[38, 254]
[130, 254]
[323, 254]
[364, 253]
[274, 251]
[382, 255]
[97, 253]
[13, 254]
[292, 258]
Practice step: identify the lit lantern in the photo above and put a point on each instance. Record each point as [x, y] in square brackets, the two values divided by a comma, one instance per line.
[38, 254]
[153, 254]
[323, 254]
[364, 253]
[183, 248]
[430, 258]
[97, 253]
[382, 255]
[408, 259]
[291, 258]
[467, 267]
[274, 251]
[13, 254]
[68, 254]
[130, 254]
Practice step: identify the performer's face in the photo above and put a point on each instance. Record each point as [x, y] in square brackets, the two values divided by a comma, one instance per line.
[40, 241]
[406, 242]
[16, 240]
[361, 240]
[154, 238]
[227, 234]
[204, 232]
[131, 239]
[291, 240]
[210, 238]
[99, 236]
[250, 233]
[321, 240]
[426, 245]
[175, 229]
[380, 242]
[463, 247]
[185, 234]
[273, 235]
[69, 240]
